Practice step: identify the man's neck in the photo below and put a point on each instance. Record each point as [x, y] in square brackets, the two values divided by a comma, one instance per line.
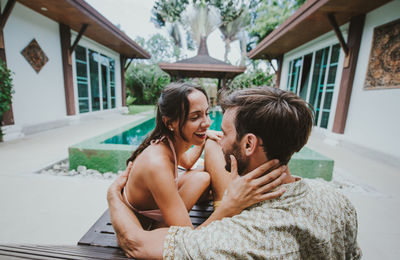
[288, 179]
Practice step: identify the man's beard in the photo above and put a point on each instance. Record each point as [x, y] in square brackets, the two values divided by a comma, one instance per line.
[242, 163]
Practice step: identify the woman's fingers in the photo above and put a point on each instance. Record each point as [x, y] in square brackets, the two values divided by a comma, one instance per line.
[262, 169]
[269, 177]
[214, 135]
[272, 185]
[272, 195]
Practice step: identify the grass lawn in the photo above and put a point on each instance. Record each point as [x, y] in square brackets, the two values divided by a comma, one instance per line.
[135, 109]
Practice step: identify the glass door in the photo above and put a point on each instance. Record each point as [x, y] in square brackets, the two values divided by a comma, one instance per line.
[104, 76]
[94, 79]
[320, 67]
[82, 79]
[95, 75]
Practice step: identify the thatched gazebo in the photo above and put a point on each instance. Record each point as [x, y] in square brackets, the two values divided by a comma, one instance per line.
[202, 66]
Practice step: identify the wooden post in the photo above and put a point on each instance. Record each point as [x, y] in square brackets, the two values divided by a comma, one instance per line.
[338, 33]
[346, 83]
[65, 37]
[8, 116]
[279, 60]
[224, 84]
[122, 60]
[78, 38]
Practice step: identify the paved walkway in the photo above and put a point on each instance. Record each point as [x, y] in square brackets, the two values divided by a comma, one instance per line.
[45, 209]
[375, 193]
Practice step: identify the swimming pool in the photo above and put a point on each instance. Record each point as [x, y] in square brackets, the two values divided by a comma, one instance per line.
[137, 134]
[108, 152]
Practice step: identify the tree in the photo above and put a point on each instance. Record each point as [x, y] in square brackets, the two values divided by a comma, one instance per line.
[144, 79]
[167, 13]
[201, 20]
[6, 91]
[234, 19]
[234, 30]
[144, 82]
[160, 48]
[254, 76]
[267, 15]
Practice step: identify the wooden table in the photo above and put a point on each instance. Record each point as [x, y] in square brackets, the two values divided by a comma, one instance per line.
[98, 243]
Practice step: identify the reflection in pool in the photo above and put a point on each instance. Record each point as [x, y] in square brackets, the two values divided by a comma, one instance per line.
[137, 134]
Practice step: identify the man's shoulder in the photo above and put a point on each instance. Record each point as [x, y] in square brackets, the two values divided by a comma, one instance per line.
[327, 199]
[324, 190]
[306, 196]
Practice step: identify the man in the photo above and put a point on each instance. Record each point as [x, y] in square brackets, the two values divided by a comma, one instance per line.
[309, 221]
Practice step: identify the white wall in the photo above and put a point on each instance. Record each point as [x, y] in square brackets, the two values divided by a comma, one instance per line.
[39, 97]
[373, 117]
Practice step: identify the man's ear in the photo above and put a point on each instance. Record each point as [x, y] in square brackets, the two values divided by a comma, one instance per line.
[250, 144]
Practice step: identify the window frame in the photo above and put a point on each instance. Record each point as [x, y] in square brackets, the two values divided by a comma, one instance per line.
[108, 80]
[289, 66]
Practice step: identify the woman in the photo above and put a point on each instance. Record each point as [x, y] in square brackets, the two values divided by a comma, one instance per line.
[154, 190]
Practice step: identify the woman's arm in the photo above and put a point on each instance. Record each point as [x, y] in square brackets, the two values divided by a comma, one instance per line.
[189, 158]
[242, 192]
[131, 237]
[161, 183]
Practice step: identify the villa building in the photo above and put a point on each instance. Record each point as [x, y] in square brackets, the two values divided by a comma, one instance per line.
[68, 61]
[343, 57]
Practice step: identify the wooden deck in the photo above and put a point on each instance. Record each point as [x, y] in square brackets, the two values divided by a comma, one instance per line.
[59, 252]
[98, 243]
[102, 232]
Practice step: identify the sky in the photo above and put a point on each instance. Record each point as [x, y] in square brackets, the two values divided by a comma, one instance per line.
[133, 17]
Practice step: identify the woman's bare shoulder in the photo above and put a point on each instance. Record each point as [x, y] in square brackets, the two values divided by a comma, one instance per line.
[155, 158]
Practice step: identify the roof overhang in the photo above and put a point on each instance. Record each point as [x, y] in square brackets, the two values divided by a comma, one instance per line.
[308, 23]
[190, 70]
[75, 13]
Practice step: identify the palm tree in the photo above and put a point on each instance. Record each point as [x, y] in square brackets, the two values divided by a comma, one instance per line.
[201, 20]
[234, 30]
[168, 13]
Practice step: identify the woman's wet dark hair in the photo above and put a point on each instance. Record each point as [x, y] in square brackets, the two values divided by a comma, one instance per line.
[174, 104]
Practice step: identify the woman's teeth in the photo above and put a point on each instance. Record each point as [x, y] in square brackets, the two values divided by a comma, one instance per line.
[200, 134]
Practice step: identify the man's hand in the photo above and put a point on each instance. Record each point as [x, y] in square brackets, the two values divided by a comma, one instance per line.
[115, 190]
[254, 187]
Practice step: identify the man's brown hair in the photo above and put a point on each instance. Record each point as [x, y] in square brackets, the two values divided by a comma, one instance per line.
[280, 118]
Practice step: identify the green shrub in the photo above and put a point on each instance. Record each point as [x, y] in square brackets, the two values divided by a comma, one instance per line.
[252, 78]
[144, 82]
[6, 92]
[130, 100]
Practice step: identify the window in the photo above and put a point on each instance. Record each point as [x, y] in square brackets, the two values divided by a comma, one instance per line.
[82, 79]
[112, 82]
[95, 80]
[321, 67]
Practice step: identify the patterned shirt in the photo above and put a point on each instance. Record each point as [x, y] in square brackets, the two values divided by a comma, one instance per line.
[309, 221]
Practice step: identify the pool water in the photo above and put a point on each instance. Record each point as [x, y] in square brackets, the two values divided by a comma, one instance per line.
[137, 134]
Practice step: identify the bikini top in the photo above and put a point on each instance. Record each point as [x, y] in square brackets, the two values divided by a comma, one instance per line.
[155, 214]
